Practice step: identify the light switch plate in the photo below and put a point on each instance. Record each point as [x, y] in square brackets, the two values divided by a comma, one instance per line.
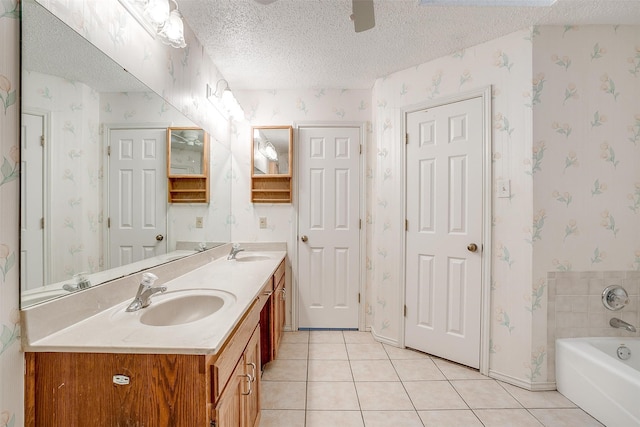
[199, 222]
[263, 222]
[504, 188]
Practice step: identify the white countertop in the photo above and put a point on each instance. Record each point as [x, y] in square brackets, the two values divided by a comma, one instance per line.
[115, 331]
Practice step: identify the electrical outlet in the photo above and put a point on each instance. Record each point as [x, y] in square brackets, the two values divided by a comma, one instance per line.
[263, 222]
[199, 222]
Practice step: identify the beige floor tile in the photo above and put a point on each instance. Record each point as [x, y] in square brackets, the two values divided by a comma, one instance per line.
[481, 394]
[283, 395]
[453, 371]
[391, 418]
[417, 370]
[327, 351]
[373, 370]
[334, 418]
[357, 337]
[451, 418]
[366, 351]
[383, 396]
[293, 351]
[295, 337]
[538, 399]
[403, 353]
[334, 396]
[329, 370]
[285, 370]
[326, 337]
[281, 418]
[428, 395]
[507, 418]
[565, 418]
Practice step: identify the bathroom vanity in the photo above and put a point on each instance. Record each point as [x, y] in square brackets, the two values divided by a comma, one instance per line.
[139, 369]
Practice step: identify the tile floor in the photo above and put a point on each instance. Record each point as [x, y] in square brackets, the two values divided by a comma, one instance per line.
[345, 378]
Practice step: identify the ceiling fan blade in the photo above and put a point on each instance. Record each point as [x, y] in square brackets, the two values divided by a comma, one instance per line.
[363, 16]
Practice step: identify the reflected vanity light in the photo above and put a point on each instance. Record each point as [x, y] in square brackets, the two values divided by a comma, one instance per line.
[265, 147]
[229, 102]
[159, 20]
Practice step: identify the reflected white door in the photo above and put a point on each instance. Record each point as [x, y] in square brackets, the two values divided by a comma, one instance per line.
[329, 227]
[32, 259]
[444, 213]
[137, 195]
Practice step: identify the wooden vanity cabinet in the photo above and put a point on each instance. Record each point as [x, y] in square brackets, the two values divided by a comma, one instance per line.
[239, 403]
[120, 389]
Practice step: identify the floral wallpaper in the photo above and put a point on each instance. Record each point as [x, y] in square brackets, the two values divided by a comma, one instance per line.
[586, 180]
[11, 359]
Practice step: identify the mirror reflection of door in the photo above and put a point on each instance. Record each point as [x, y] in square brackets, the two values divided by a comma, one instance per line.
[137, 195]
[32, 157]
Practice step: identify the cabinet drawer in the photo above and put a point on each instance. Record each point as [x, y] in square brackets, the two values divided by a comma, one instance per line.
[224, 365]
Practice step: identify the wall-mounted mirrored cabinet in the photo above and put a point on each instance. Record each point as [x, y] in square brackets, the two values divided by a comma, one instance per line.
[271, 164]
[188, 165]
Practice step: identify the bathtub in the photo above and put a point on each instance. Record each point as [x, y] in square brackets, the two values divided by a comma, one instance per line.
[589, 373]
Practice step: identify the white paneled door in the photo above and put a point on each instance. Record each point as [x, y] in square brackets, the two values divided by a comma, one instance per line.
[137, 195]
[444, 231]
[329, 227]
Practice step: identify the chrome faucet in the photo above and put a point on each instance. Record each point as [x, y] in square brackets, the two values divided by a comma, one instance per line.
[621, 324]
[145, 292]
[81, 283]
[234, 251]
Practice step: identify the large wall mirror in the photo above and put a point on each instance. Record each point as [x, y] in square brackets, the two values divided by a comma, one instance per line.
[93, 169]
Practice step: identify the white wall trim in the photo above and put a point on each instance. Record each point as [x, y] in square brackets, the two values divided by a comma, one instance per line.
[361, 204]
[518, 382]
[487, 183]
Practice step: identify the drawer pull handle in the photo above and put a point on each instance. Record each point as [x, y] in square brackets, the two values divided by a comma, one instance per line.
[249, 380]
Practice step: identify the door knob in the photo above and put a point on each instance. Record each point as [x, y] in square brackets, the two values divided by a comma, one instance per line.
[472, 247]
[159, 237]
[304, 239]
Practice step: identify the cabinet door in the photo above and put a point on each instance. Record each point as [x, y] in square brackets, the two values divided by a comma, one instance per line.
[251, 400]
[229, 406]
[279, 296]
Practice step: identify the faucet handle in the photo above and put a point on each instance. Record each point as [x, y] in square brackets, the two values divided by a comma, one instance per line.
[148, 279]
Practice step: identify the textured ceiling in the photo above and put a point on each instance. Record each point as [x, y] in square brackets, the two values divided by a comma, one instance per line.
[291, 44]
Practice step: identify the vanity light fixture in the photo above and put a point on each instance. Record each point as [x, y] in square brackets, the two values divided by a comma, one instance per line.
[229, 102]
[159, 20]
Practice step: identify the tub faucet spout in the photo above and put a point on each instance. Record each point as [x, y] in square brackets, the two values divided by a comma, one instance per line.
[619, 323]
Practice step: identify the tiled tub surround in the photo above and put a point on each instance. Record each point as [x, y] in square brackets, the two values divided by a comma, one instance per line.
[71, 323]
[575, 307]
[347, 379]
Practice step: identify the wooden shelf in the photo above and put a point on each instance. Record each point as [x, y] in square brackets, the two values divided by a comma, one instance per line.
[271, 189]
[187, 187]
[193, 189]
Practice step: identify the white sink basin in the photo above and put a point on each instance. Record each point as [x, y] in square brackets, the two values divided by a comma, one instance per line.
[252, 258]
[179, 307]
